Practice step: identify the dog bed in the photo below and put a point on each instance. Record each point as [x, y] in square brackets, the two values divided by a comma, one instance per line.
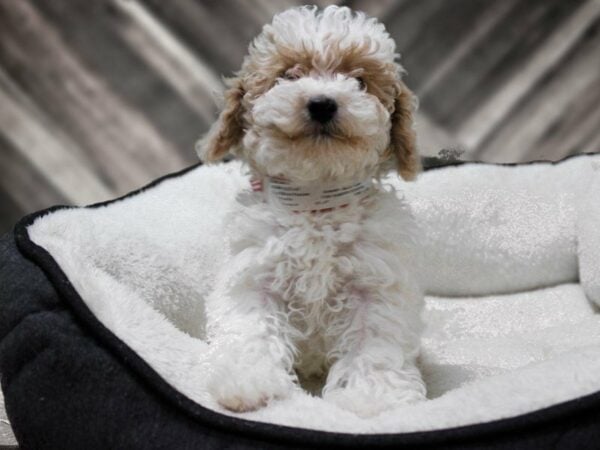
[101, 319]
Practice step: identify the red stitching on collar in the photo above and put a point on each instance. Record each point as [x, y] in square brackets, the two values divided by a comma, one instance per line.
[257, 186]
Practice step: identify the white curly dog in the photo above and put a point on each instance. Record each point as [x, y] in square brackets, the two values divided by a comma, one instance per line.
[322, 278]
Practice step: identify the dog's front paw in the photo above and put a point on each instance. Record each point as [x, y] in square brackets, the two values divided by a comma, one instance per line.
[240, 387]
[367, 404]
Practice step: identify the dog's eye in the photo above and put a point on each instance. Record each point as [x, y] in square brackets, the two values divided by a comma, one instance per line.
[361, 83]
[291, 75]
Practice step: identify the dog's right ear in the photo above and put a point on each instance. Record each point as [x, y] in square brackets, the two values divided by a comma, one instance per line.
[402, 142]
[225, 135]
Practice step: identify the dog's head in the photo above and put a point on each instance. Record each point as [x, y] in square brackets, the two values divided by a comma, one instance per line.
[319, 97]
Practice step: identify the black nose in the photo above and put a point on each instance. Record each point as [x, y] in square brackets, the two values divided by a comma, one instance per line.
[322, 108]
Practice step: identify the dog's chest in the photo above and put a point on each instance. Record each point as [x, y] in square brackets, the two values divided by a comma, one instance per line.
[310, 264]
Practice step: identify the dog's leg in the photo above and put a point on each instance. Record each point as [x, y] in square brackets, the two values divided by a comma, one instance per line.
[252, 350]
[374, 357]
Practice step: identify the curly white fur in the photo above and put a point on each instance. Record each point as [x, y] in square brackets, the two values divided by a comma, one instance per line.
[308, 294]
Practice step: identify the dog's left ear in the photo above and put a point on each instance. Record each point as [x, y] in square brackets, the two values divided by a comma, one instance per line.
[225, 135]
[403, 138]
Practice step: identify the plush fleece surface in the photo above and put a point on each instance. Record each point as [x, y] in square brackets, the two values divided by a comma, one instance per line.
[588, 242]
[510, 327]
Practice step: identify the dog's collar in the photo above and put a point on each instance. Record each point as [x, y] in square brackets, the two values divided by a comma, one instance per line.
[313, 198]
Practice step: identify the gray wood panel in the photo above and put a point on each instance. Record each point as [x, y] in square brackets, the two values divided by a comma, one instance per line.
[124, 88]
[494, 59]
[125, 145]
[102, 49]
[558, 117]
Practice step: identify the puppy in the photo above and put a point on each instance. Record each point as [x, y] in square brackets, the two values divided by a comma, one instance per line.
[322, 279]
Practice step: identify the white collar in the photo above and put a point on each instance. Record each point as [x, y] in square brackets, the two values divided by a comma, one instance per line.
[316, 197]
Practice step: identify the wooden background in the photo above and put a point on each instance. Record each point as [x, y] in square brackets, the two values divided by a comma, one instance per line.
[99, 97]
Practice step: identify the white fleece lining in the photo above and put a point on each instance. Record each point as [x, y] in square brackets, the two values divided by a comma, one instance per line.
[589, 240]
[530, 339]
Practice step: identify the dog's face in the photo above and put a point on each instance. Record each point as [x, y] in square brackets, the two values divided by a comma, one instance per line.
[319, 97]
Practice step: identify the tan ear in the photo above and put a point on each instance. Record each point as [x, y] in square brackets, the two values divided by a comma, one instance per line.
[403, 138]
[226, 133]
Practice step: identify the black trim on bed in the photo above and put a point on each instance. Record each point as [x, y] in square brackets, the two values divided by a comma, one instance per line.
[573, 424]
